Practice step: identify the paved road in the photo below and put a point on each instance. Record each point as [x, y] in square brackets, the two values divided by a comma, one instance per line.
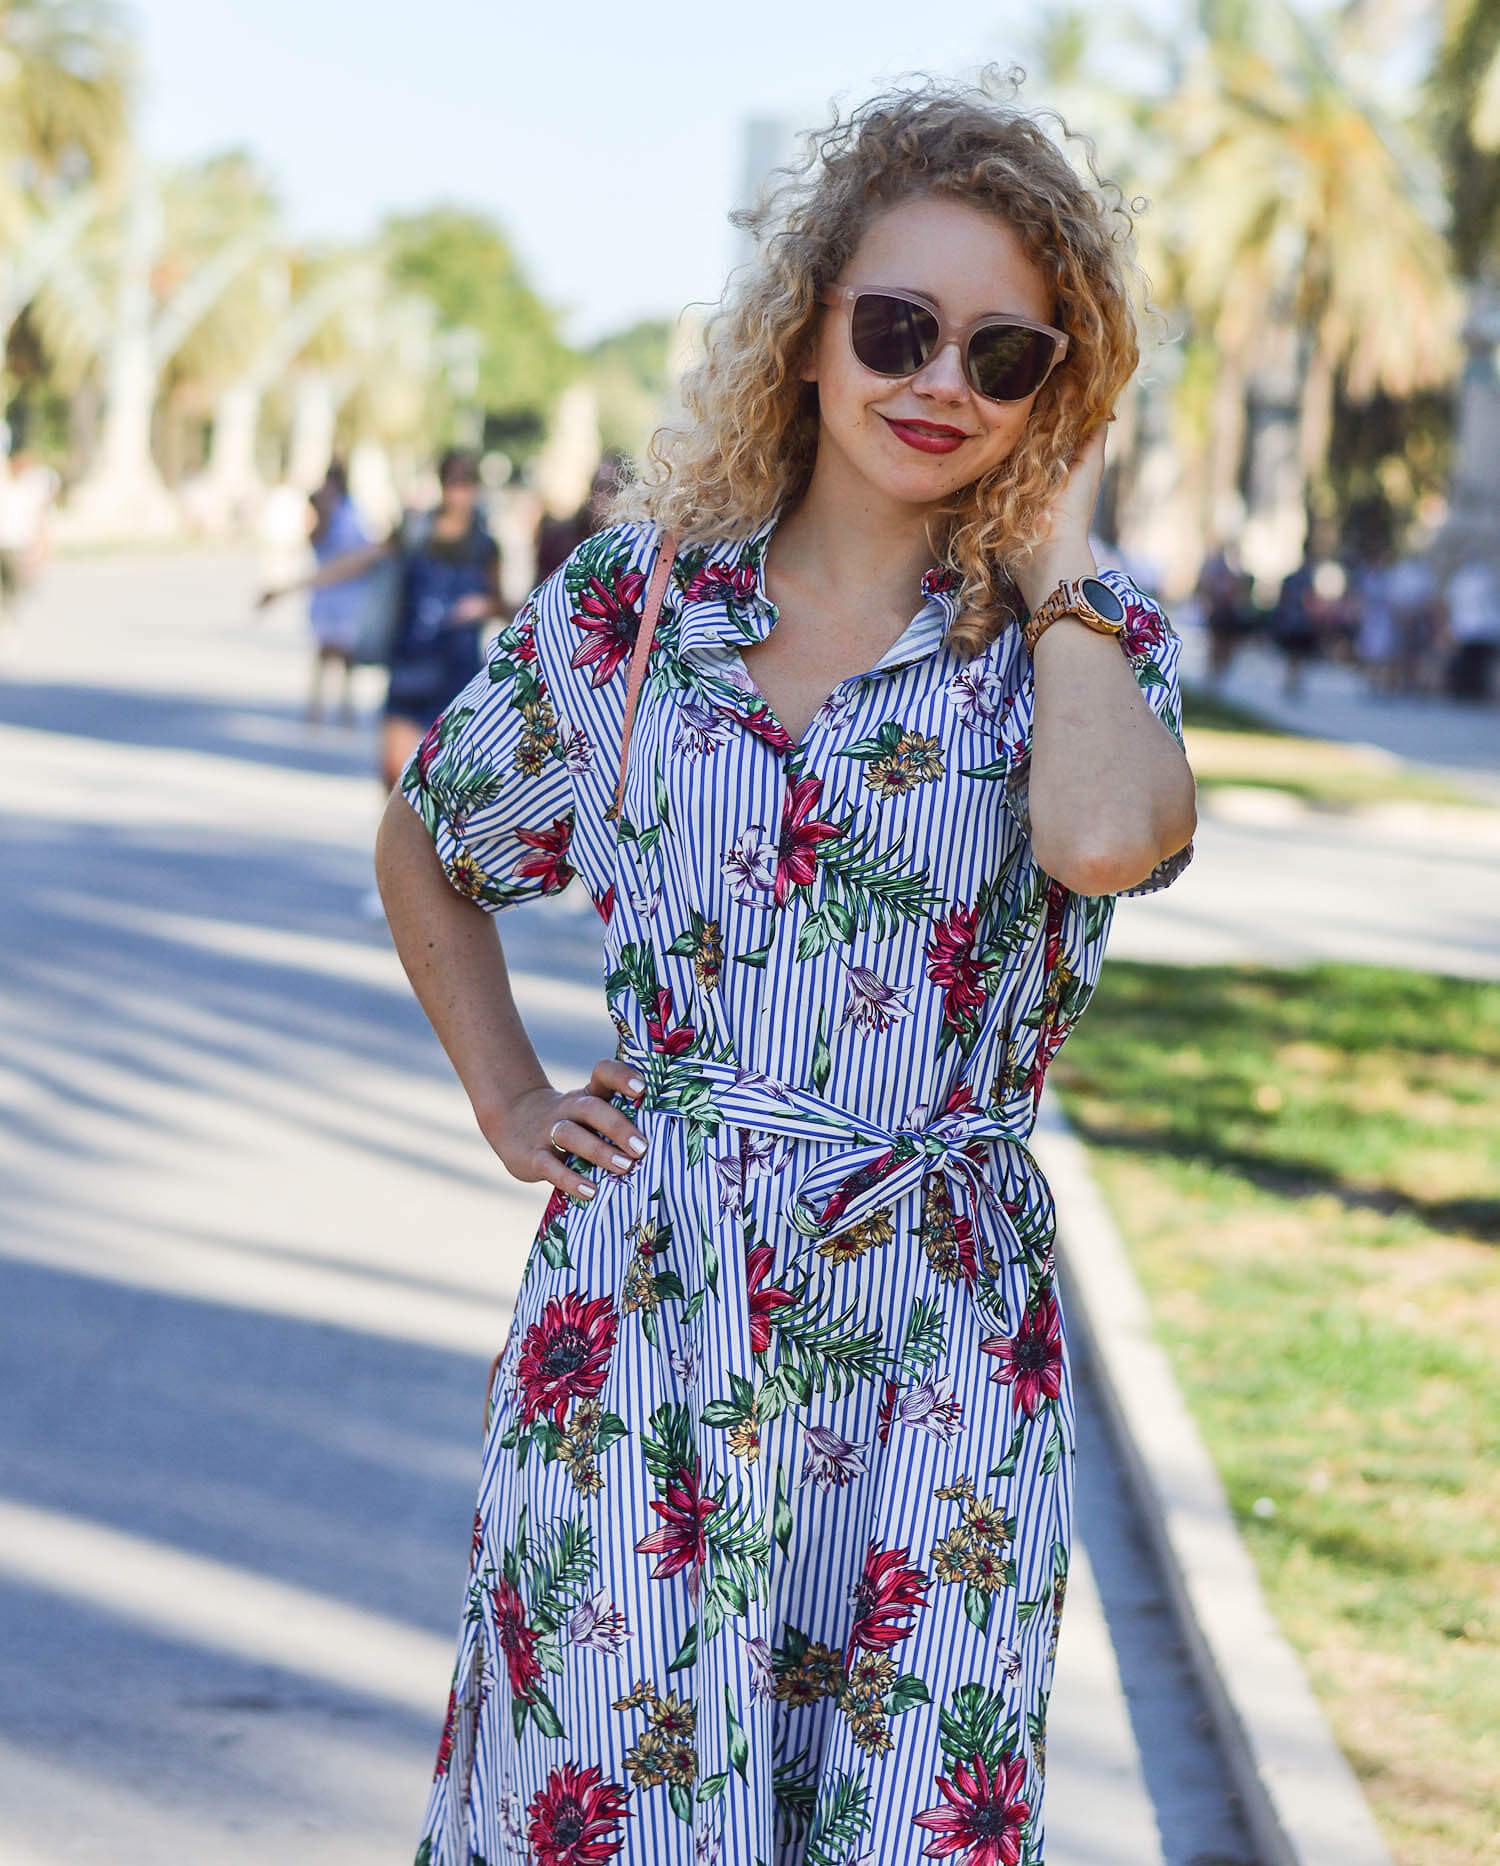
[253, 1263]
[1284, 885]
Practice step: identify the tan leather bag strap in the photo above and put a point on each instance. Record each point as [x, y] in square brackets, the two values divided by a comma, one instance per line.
[656, 589]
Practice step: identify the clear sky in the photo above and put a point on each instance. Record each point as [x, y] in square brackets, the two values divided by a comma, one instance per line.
[606, 138]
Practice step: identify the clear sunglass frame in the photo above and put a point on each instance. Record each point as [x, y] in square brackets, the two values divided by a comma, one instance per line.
[846, 296]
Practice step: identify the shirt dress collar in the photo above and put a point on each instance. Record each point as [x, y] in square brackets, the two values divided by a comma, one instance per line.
[725, 604]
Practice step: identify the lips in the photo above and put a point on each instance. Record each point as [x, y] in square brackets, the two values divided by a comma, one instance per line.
[926, 437]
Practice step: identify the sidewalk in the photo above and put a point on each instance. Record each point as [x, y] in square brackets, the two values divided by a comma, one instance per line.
[1461, 742]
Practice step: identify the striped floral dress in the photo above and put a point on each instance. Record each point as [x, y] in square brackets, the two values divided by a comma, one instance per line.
[773, 1521]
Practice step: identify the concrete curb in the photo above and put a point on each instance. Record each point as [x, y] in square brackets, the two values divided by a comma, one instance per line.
[1301, 1800]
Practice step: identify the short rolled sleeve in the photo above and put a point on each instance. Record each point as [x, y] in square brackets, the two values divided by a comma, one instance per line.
[491, 780]
[1153, 649]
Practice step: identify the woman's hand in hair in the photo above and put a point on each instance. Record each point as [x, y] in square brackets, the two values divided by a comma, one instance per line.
[1065, 551]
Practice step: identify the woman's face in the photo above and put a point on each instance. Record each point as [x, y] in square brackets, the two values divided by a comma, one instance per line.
[970, 265]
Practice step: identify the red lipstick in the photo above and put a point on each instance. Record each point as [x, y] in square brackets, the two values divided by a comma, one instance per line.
[927, 437]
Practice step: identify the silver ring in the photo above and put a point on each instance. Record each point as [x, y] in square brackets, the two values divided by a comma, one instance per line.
[552, 1136]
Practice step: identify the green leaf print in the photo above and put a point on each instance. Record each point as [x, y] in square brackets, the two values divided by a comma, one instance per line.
[739, 1743]
[794, 1789]
[687, 1652]
[1007, 1465]
[973, 1724]
[712, 1786]
[680, 1798]
[839, 1823]
[819, 1352]
[560, 1573]
[781, 1515]
[822, 1056]
[926, 1338]
[544, 1714]
[667, 1445]
[907, 1692]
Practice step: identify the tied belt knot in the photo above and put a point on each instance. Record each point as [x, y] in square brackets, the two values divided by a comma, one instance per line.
[878, 1165]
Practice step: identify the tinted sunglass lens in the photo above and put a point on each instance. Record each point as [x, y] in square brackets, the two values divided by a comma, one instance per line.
[1007, 361]
[890, 336]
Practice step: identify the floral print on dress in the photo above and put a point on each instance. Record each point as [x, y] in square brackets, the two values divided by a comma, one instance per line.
[775, 1497]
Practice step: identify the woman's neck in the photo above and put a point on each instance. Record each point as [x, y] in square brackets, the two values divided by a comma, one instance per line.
[845, 536]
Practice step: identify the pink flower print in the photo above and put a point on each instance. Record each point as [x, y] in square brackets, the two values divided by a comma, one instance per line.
[723, 583]
[609, 621]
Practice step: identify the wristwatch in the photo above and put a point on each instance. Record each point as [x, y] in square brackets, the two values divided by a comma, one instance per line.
[1091, 601]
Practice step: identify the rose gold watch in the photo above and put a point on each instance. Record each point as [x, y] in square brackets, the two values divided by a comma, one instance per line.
[1088, 599]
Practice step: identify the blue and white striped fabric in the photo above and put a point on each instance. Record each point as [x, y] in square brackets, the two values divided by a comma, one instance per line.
[773, 1522]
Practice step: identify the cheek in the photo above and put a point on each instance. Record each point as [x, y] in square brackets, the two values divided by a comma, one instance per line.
[1005, 424]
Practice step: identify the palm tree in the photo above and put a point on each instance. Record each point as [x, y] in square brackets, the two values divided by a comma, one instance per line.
[1301, 218]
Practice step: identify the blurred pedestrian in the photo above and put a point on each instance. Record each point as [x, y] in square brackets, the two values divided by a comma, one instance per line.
[1377, 643]
[1224, 593]
[1294, 626]
[1473, 630]
[741, 1446]
[28, 490]
[558, 538]
[336, 610]
[1412, 591]
[447, 588]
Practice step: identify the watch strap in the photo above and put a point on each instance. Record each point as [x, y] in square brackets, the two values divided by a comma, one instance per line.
[1068, 599]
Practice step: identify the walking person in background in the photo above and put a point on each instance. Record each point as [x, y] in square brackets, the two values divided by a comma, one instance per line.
[773, 1523]
[1473, 630]
[1377, 644]
[336, 609]
[1224, 591]
[1294, 626]
[558, 538]
[447, 589]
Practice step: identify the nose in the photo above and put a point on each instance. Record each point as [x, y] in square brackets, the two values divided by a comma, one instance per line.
[941, 377]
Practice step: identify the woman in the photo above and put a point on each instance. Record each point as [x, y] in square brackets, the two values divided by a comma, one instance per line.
[774, 1516]
[335, 610]
[448, 587]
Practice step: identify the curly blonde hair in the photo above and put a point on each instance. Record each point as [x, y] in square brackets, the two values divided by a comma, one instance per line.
[749, 433]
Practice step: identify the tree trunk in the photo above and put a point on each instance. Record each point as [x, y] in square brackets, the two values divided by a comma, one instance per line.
[122, 495]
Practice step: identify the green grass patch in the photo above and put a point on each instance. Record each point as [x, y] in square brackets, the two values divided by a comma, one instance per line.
[1229, 746]
[1306, 1169]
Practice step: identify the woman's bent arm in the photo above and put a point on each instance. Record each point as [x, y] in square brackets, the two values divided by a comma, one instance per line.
[451, 952]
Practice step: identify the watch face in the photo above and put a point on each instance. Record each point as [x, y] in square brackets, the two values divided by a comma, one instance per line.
[1103, 599]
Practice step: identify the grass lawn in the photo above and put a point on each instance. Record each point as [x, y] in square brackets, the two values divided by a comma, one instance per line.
[1228, 746]
[1306, 1169]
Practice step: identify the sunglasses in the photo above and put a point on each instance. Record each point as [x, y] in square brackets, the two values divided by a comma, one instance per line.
[896, 333]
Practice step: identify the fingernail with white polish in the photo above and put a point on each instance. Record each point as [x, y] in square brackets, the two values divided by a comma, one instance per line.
[619, 1160]
[636, 1144]
[587, 1190]
[634, 1084]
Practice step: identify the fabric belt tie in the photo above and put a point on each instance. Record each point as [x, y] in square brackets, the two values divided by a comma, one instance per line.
[881, 1165]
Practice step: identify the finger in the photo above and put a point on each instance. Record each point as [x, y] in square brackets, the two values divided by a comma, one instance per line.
[613, 1077]
[587, 1134]
[555, 1170]
[594, 1111]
